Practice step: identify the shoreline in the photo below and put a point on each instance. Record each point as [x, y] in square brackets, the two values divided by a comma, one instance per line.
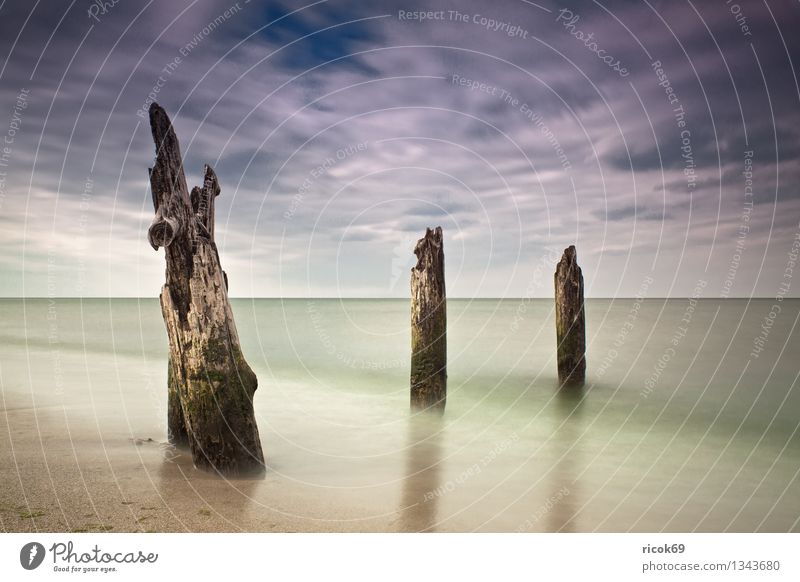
[59, 476]
[341, 448]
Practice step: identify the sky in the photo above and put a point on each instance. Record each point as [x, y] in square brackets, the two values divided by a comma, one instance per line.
[660, 138]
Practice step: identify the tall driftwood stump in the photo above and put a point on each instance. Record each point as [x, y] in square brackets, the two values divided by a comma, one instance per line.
[570, 320]
[429, 325]
[210, 385]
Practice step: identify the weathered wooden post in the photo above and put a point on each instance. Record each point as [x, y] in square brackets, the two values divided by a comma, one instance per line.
[570, 320]
[210, 385]
[429, 324]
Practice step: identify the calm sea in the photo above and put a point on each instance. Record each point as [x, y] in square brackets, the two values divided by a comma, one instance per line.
[681, 425]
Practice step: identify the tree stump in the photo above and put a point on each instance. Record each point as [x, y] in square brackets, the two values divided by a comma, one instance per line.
[210, 385]
[429, 325]
[570, 320]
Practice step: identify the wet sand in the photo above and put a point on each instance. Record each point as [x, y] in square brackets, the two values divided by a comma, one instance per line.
[58, 475]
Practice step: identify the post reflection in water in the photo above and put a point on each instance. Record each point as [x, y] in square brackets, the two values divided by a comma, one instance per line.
[421, 487]
[187, 495]
[564, 489]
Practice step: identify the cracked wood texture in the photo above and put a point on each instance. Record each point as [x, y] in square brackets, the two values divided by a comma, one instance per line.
[570, 320]
[429, 325]
[210, 385]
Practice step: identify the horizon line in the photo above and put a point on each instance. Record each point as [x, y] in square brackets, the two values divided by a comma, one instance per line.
[39, 297]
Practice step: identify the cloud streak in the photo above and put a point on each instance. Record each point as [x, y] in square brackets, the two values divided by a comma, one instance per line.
[338, 132]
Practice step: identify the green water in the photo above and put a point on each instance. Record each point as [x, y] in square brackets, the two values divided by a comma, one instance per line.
[707, 440]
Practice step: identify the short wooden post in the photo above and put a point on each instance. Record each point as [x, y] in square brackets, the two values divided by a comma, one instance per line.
[429, 324]
[570, 320]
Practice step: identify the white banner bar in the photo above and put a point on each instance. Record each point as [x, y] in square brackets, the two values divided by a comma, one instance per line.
[400, 557]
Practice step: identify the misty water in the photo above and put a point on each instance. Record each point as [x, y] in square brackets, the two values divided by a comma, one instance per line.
[680, 426]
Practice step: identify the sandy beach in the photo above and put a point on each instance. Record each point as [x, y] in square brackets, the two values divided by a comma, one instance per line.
[57, 478]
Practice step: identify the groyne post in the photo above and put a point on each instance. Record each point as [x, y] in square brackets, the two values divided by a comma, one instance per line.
[210, 385]
[570, 320]
[429, 324]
